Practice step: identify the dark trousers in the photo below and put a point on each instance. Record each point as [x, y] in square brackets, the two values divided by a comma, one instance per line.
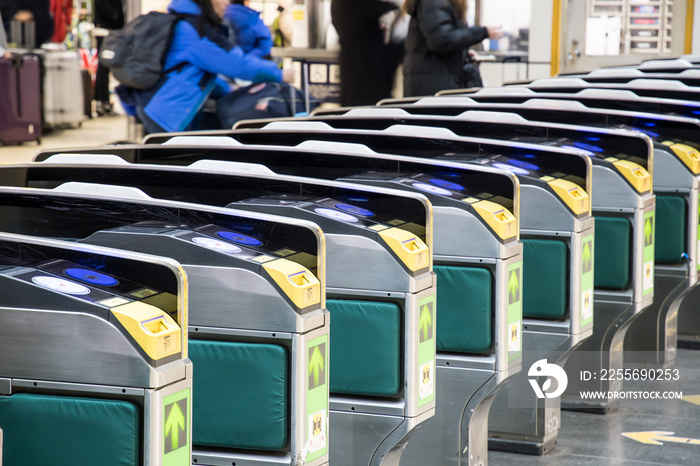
[101, 78]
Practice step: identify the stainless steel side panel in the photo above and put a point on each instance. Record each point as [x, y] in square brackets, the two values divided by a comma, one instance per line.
[237, 298]
[459, 233]
[70, 347]
[359, 262]
[541, 210]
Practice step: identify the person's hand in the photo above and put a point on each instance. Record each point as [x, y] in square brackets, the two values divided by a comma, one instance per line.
[494, 32]
[288, 75]
[23, 16]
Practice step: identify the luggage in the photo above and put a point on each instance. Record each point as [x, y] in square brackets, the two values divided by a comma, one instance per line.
[63, 99]
[264, 100]
[20, 99]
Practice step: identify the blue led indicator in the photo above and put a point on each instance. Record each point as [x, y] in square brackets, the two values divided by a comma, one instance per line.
[355, 198]
[447, 184]
[448, 174]
[647, 132]
[510, 168]
[522, 164]
[92, 277]
[590, 147]
[239, 238]
[355, 210]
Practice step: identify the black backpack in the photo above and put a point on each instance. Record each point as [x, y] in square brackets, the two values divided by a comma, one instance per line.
[135, 54]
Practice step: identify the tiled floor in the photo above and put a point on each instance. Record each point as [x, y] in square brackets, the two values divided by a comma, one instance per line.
[92, 132]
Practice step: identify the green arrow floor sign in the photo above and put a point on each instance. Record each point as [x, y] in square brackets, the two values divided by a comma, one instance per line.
[513, 285]
[587, 281]
[173, 424]
[648, 253]
[426, 350]
[515, 310]
[317, 398]
[176, 429]
[425, 323]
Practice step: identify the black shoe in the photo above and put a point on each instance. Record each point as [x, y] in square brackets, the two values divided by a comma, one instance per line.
[104, 109]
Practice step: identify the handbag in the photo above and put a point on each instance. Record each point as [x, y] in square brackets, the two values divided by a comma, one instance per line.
[262, 101]
[470, 75]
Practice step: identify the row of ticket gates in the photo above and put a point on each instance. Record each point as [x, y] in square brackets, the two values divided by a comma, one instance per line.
[367, 286]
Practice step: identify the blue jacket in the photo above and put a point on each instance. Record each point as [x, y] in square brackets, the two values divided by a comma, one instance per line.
[251, 33]
[195, 60]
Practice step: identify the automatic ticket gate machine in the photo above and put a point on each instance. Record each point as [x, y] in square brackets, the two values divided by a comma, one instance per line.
[674, 65]
[629, 285]
[613, 99]
[675, 183]
[682, 71]
[669, 89]
[271, 416]
[91, 371]
[653, 339]
[475, 248]
[556, 311]
[380, 286]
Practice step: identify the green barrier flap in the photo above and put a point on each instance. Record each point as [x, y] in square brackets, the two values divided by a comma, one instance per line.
[365, 339]
[53, 430]
[545, 278]
[239, 395]
[612, 260]
[464, 309]
[671, 229]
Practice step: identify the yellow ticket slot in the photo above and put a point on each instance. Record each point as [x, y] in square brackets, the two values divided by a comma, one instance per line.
[574, 195]
[408, 247]
[500, 219]
[302, 287]
[635, 174]
[688, 155]
[154, 330]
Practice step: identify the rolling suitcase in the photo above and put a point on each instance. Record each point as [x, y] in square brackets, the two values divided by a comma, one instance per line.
[63, 99]
[20, 99]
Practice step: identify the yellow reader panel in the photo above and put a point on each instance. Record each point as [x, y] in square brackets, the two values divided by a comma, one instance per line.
[574, 195]
[500, 219]
[302, 287]
[635, 174]
[408, 247]
[164, 301]
[688, 155]
[154, 330]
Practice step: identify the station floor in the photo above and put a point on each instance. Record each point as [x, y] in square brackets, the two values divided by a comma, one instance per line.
[592, 439]
[584, 439]
[92, 132]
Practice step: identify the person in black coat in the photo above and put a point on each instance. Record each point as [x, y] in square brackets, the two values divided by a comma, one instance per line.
[38, 11]
[109, 15]
[437, 45]
[367, 64]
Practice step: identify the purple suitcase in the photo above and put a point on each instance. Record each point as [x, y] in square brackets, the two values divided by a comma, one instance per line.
[20, 99]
